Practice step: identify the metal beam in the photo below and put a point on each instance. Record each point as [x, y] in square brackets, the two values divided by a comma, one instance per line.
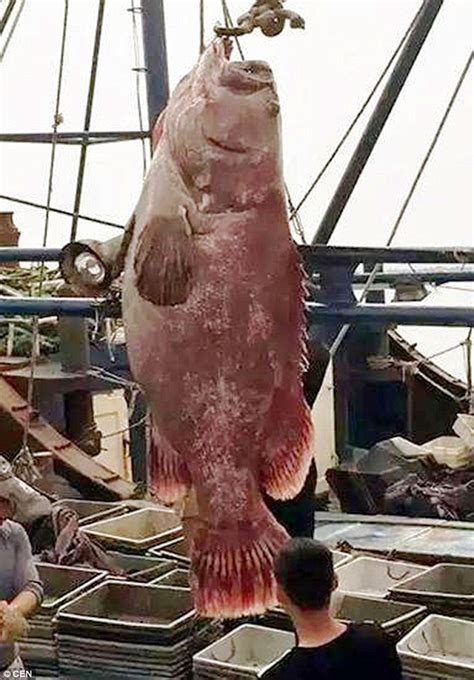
[8, 255]
[88, 116]
[437, 277]
[6, 15]
[73, 137]
[409, 315]
[403, 314]
[156, 60]
[342, 255]
[320, 255]
[379, 117]
[33, 306]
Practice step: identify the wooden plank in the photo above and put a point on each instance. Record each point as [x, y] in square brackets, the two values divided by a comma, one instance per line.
[44, 437]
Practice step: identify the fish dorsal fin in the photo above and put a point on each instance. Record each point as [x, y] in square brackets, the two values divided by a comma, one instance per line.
[157, 130]
[164, 260]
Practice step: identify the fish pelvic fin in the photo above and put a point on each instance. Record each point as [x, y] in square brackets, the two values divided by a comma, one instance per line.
[164, 261]
[232, 572]
[288, 445]
[170, 480]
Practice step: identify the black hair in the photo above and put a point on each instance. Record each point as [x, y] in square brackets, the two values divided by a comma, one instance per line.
[304, 569]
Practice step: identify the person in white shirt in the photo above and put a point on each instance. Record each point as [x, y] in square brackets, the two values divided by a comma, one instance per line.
[21, 590]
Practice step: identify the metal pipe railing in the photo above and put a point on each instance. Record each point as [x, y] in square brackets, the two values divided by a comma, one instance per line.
[311, 255]
[410, 315]
[9, 255]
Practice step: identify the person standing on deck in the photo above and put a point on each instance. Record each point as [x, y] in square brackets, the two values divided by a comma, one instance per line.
[326, 649]
[21, 590]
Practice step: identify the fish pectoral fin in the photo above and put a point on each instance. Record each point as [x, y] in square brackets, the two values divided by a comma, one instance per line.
[164, 260]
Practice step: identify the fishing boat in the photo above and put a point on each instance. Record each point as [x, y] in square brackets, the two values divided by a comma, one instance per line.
[390, 467]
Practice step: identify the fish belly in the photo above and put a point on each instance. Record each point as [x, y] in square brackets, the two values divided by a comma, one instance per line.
[222, 377]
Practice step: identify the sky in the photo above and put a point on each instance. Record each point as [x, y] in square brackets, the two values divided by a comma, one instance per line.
[323, 74]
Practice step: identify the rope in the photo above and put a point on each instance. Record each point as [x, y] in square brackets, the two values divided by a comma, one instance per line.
[228, 22]
[14, 25]
[358, 115]
[342, 333]
[134, 10]
[24, 455]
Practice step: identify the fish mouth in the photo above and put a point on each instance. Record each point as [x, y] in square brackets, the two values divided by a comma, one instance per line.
[248, 76]
[223, 146]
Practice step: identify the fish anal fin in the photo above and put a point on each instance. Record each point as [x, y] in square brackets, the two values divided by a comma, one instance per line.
[164, 261]
[288, 445]
[169, 477]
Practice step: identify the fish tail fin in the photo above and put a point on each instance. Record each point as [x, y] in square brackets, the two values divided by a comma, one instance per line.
[288, 445]
[169, 477]
[232, 568]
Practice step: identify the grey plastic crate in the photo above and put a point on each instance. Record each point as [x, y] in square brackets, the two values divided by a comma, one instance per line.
[142, 568]
[445, 588]
[439, 647]
[177, 577]
[91, 511]
[395, 618]
[247, 652]
[177, 549]
[439, 545]
[373, 577]
[137, 531]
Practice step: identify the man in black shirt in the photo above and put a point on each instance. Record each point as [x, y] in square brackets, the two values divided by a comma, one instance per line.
[326, 649]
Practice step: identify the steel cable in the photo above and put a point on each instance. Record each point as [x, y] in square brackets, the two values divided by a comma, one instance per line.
[342, 333]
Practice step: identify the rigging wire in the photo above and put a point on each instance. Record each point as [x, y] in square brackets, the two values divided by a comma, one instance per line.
[12, 30]
[202, 45]
[56, 123]
[134, 10]
[467, 347]
[440, 353]
[24, 460]
[358, 115]
[342, 333]
[86, 218]
[228, 22]
[461, 289]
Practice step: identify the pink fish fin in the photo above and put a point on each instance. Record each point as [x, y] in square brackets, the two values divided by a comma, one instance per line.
[287, 444]
[157, 130]
[169, 477]
[232, 567]
[164, 261]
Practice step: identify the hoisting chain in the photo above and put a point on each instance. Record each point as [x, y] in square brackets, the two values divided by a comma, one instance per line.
[268, 15]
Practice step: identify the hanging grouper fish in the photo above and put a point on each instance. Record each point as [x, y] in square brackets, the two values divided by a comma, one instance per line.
[214, 316]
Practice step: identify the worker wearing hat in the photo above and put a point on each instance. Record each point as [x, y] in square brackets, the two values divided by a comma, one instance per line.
[21, 590]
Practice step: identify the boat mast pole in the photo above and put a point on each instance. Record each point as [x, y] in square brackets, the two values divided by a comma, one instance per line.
[415, 41]
[157, 82]
[156, 60]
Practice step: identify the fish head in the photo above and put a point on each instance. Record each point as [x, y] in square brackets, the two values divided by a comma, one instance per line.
[223, 129]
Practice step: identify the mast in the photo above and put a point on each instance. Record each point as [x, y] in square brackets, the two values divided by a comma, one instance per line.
[156, 60]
